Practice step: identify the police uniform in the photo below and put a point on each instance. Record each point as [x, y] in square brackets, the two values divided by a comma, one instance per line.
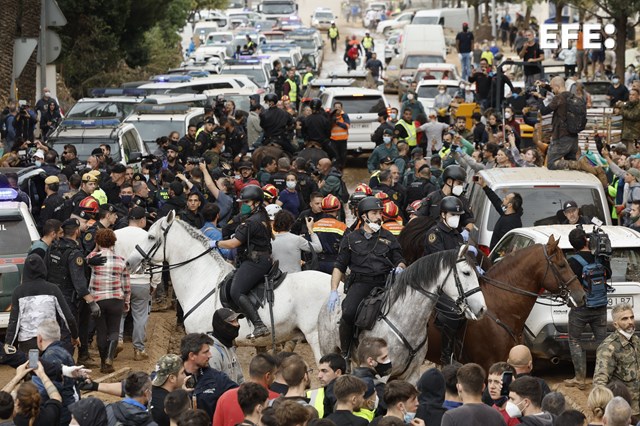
[330, 232]
[277, 124]
[204, 141]
[52, 208]
[65, 268]
[431, 207]
[89, 237]
[440, 237]
[370, 261]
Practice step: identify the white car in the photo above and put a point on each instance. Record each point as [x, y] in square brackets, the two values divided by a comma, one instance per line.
[385, 27]
[428, 90]
[546, 331]
[155, 120]
[322, 19]
[390, 46]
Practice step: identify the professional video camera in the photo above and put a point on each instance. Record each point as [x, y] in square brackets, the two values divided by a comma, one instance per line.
[197, 160]
[599, 242]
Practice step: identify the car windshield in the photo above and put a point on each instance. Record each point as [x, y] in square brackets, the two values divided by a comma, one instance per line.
[430, 92]
[372, 104]
[324, 15]
[150, 130]
[120, 110]
[217, 39]
[438, 74]
[414, 61]
[305, 43]
[278, 8]
[86, 145]
[235, 4]
[625, 263]
[597, 88]
[14, 234]
[255, 74]
[542, 206]
[241, 101]
[425, 20]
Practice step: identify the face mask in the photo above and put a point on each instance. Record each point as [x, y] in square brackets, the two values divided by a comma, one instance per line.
[453, 221]
[409, 416]
[507, 115]
[410, 96]
[375, 227]
[291, 185]
[38, 163]
[513, 410]
[457, 190]
[386, 139]
[126, 199]
[393, 116]
[146, 177]
[383, 369]
[615, 81]
[504, 208]
[245, 209]
[441, 92]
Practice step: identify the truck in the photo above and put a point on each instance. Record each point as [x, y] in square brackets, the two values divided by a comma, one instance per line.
[273, 10]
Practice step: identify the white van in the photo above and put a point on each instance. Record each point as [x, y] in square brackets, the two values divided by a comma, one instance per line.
[543, 193]
[449, 18]
[423, 37]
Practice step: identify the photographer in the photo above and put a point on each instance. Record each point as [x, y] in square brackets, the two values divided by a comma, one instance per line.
[25, 122]
[591, 265]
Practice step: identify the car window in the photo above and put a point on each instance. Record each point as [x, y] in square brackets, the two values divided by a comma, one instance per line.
[425, 20]
[14, 234]
[361, 104]
[405, 18]
[119, 110]
[432, 91]
[597, 88]
[509, 244]
[150, 130]
[129, 144]
[414, 61]
[542, 206]
[85, 146]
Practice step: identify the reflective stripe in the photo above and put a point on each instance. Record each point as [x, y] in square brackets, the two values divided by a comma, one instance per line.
[411, 132]
[316, 399]
[394, 227]
[293, 90]
[330, 225]
[333, 32]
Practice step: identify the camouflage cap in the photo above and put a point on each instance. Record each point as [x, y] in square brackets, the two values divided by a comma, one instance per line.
[167, 365]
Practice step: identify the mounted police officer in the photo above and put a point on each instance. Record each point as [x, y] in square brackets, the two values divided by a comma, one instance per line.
[253, 239]
[277, 124]
[371, 253]
[444, 235]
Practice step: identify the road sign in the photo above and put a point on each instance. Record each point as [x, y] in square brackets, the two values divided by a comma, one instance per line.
[52, 47]
[54, 16]
[22, 50]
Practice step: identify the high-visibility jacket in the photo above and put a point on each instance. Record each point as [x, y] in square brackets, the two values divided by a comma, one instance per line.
[367, 42]
[316, 400]
[394, 227]
[411, 138]
[307, 78]
[293, 90]
[333, 32]
[339, 133]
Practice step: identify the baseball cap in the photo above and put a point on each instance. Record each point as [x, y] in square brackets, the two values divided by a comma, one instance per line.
[167, 365]
[244, 165]
[137, 213]
[387, 132]
[118, 168]
[71, 223]
[51, 180]
[569, 205]
[139, 177]
[97, 151]
[634, 172]
[209, 121]
[106, 207]
[173, 147]
[229, 315]
[386, 160]
[89, 177]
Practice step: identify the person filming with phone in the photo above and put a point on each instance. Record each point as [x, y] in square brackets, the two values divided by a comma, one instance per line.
[509, 208]
[500, 377]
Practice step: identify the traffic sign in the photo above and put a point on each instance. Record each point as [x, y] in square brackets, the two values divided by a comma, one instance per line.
[54, 16]
[22, 50]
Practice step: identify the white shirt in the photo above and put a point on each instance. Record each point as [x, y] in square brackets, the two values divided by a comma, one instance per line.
[127, 239]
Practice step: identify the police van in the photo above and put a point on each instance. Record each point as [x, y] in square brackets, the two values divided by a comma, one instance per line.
[17, 233]
[155, 120]
[546, 329]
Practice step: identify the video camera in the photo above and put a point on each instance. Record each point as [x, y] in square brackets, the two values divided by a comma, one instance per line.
[197, 160]
[599, 241]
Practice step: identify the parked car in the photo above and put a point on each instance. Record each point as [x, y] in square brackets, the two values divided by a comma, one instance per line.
[546, 330]
[390, 46]
[397, 22]
[322, 18]
[406, 65]
[153, 121]
[428, 90]
[598, 91]
[438, 71]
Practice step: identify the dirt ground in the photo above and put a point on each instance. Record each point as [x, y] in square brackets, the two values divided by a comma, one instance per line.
[163, 337]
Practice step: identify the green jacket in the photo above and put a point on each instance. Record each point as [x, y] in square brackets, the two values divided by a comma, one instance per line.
[630, 121]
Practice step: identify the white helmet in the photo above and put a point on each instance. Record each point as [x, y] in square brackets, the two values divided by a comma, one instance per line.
[272, 210]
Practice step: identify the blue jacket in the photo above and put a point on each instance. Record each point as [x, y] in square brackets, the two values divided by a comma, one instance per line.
[57, 354]
[210, 385]
[212, 232]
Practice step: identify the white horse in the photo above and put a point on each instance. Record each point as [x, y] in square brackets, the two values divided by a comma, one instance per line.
[196, 272]
[411, 301]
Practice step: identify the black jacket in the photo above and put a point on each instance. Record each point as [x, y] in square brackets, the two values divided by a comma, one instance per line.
[128, 414]
[431, 398]
[506, 222]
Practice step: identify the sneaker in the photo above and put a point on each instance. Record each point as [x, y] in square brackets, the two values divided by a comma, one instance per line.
[575, 383]
[106, 369]
[140, 355]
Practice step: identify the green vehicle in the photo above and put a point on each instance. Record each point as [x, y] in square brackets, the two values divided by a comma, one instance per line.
[17, 232]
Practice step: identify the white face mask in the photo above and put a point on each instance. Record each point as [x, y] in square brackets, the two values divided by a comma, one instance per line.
[457, 190]
[386, 139]
[441, 92]
[375, 227]
[291, 184]
[453, 221]
[615, 81]
[410, 96]
[37, 163]
[393, 115]
[224, 147]
[507, 115]
[513, 410]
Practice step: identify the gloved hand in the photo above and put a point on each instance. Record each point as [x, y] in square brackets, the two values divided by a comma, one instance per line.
[473, 251]
[333, 300]
[456, 148]
[88, 386]
[479, 270]
[213, 244]
[398, 270]
[465, 235]
[98, 260]
[95, 309]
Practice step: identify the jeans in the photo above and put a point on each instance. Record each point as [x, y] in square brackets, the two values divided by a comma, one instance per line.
[579, 318]
[140, 303]
[465, 63]
[108, 323]
[565, 148]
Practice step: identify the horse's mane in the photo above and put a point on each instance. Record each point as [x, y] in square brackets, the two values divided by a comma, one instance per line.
[507, 269]
[202, 239]
[424, 272]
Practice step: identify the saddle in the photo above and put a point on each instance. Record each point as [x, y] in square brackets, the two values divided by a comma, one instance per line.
[258, 294]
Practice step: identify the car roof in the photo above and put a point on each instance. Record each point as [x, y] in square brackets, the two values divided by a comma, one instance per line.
[417, 52]
[352, 91]
[433, 82]
[112, 99]
[537, 176]
[620, 236]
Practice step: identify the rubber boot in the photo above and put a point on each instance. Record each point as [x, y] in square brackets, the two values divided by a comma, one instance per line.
[259, 329]
[346, 337]
[111, 352]
[579, 359]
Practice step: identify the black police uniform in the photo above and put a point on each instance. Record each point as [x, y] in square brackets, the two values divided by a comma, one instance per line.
[77, 198]
[276, 124]
[194, 219]
[52, 208]
[255, 253]
[370, 260]
[185, 147]
[431, 207]
[448, 320]
[204, 141]
[316, 127]
[419, 189]
[89, 237]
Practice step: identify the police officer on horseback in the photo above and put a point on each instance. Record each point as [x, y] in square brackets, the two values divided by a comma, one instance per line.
[253, 239]
[371, 253]
[444, 235]
[277, 124]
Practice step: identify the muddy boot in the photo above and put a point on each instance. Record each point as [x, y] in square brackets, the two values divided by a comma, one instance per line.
[446, 354]
[247, 308]
[111, 352]
[579, 359]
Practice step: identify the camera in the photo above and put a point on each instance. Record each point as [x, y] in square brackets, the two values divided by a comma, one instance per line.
[195, 160]
[599, 241]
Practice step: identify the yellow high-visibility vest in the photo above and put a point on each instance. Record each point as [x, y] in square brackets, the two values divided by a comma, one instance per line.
[411, 132]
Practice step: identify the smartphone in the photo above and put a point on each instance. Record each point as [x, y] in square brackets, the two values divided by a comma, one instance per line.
[476, 178]
[507, 378]
[34, 354]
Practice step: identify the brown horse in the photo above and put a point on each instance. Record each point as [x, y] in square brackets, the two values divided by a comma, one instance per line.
[511, 288]
[412, 238]
[273, 150]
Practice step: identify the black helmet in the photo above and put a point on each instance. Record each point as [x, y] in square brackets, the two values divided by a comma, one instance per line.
[368, 204]
[454, 172]
[451, 204]
[252, 193]
[315, 104]
[271, 97]
[355, 198]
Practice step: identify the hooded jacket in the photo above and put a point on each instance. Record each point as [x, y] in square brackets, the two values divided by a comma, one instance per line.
[432, 390]
[89, 412]
[129, 413]
[35, 300]
[543, 419]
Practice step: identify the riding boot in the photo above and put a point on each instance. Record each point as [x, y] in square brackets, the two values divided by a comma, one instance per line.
[346, 337]
[259, 329]
[446, 354]
[111, 352]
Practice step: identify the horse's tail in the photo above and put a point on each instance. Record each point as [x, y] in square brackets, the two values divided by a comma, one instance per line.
[412, 238]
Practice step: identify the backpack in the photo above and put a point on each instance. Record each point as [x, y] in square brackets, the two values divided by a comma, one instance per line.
[594, 280]
[576, 114]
